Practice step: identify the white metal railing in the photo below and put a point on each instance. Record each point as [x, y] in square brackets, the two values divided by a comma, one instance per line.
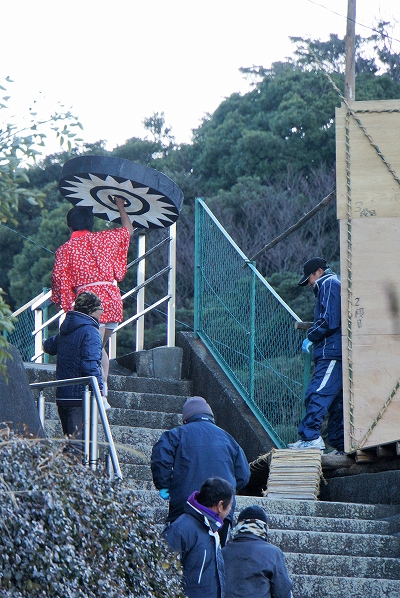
[37, 303]
[92, 407]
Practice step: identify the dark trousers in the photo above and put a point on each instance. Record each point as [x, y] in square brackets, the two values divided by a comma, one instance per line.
[324, 395]
[72, 424]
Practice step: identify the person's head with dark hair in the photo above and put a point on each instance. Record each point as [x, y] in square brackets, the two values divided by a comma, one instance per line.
[214, 491]
[80, 218]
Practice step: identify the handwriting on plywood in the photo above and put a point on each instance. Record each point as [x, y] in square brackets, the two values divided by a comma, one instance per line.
[363, 211]
[359, 312]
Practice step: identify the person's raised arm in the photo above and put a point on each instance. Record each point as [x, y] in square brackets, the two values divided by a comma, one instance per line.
[125, 220]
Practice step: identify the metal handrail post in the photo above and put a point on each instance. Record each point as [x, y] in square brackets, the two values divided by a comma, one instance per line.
[92, 380]
[41, 403]
[171, 306]
[141, 277]
[106, 428]
[39, 335]
[94, 433]
[112, 346]
[45, 316]
[110, 469]
[86, 425]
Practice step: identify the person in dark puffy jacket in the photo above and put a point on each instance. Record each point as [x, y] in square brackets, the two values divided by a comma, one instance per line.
[254, 568]
[186, 455]
[78, 347]
[324, 393]
[195, 536]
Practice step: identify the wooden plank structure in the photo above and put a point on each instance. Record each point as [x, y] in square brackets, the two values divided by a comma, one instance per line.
[294, 474]
[368, 208]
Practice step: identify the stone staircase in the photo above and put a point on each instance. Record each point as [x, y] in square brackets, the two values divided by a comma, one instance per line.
[332, 549]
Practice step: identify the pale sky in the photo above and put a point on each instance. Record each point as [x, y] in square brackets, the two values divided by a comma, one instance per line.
[114, 63]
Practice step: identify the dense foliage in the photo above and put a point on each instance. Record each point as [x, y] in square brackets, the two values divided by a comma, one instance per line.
[67, 531]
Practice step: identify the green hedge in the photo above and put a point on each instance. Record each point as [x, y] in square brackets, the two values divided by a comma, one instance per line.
[67, 531]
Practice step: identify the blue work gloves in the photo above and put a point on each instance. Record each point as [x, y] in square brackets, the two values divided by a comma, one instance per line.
[306, 346]
[164, 493]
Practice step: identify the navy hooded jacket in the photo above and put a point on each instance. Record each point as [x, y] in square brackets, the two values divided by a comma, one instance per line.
[187, 455]
[195, 537]
[78, 347]
[326, 332]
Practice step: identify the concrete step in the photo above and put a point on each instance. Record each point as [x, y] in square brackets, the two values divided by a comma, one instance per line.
[130, 417]
[329, 524]
[336, 543]
[141, 401]
[132, 383]
[316, 508]
[342, 566]
[145, 401]
[317, 586]
[139, 472]
[157, 386]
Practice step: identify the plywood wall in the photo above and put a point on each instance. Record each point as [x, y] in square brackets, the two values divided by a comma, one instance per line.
[368, 207]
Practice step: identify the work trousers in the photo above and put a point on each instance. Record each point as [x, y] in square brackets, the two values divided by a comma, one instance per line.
[324, 395]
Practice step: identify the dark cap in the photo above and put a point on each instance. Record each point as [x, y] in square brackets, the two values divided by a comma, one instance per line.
[195, 406]
[87, 303]
[310, 267]
[253, 512]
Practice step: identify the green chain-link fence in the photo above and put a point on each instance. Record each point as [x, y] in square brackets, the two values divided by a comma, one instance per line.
[24, 325]
[249, 330]
[21, 337]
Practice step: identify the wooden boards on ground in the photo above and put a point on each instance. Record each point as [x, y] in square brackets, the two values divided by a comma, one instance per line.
[294, 474]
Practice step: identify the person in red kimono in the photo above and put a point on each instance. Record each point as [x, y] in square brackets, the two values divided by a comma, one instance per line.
[93, 262]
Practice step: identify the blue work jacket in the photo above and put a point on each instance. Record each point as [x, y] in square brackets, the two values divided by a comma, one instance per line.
[187, 455]
[196, 539]
[326, 332]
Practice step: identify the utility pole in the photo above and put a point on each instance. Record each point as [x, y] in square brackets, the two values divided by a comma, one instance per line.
[350, 77]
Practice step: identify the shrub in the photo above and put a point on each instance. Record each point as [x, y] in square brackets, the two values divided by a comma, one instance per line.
[67, 531]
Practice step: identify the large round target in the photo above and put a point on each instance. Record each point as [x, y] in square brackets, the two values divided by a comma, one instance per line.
[152, 200]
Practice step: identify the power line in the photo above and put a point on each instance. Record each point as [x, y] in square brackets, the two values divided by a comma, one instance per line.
[27, 238]
[356, 22]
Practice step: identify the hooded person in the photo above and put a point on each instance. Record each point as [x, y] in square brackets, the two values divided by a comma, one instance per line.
[195, 535]
[186, 455]
[78, 347]
[254, 568]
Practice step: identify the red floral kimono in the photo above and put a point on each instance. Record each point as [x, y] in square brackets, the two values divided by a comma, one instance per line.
[92, 262]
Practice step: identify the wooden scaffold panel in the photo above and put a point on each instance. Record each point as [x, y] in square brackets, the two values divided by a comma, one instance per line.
[368, 207]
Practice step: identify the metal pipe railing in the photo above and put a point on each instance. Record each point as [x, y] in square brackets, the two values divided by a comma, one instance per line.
[92, 406]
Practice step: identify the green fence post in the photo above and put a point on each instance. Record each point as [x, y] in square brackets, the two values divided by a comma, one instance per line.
[197, 262]
[252, 332]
